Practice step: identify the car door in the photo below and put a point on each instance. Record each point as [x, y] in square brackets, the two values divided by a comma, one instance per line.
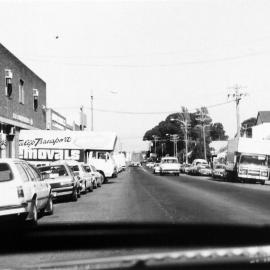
[44, 187]
[36, 184]
[28, 188]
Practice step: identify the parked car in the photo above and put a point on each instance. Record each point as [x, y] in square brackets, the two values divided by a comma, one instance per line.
[196, 165]
[156, 168]
[185, 168]
[87, 182]
[61, 179]
[169, 165]
[99, 179]
[23, 193]
[205, 170]
[219, 171]
[150, 164]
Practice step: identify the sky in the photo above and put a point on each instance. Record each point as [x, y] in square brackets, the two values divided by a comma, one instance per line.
[148, 58]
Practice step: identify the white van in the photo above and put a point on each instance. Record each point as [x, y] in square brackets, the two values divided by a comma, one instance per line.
[104, 163]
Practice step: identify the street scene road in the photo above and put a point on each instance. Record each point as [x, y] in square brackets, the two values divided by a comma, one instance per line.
[137, 195]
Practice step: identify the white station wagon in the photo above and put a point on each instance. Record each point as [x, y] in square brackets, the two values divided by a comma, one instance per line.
[22, 191]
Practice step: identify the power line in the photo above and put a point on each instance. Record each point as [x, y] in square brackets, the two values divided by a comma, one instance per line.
[181, 63]
[152, 113]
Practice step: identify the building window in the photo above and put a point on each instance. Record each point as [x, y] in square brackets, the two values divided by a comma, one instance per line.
[35, 100]
[8, 82]
[21, 92]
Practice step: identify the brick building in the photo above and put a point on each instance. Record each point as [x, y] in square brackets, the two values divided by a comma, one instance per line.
[22, 101]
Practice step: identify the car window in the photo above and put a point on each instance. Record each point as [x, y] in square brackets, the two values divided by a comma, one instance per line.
[93, 168]
[74, 168]
[35, 173]
[53, 171]
[22, 172]
[87, 168]
[29, 172]
[5, 172]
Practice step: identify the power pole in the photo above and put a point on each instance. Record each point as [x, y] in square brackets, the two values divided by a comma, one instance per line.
[186, 132]
[81, 118]
[203, 118]
[92, 113]
[155, 141]
[237, 96]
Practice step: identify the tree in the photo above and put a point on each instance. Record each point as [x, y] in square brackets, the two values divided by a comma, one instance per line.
[196, 121]
[217, 132]
[246, 127]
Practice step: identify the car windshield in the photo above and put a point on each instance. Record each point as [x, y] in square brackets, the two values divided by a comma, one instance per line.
[132, 100]
[53, 171]
[253, 160]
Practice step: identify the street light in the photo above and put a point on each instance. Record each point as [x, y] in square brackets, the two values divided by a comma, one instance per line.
[185, 123]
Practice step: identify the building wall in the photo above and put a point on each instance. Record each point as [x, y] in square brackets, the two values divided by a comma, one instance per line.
[14, 115]
[9, 106]
[261, 132]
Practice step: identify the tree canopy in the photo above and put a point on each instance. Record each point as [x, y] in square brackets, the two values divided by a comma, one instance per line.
[196, 121]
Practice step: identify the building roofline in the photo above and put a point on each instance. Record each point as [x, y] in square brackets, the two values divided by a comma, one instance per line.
[18, 60]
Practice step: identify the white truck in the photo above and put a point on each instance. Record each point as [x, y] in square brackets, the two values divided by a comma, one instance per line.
[247, 160]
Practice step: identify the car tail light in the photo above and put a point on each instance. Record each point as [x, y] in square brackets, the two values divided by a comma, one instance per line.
[20, 192]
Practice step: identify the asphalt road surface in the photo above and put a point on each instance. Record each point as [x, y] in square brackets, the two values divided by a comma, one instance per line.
[140, 196]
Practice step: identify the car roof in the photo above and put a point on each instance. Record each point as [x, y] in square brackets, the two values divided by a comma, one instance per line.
[10, 160]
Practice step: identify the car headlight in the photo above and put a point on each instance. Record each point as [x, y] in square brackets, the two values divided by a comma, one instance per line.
[264, 173]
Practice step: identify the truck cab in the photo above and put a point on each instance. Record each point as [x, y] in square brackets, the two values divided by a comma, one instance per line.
[248, 159]
[253, 166]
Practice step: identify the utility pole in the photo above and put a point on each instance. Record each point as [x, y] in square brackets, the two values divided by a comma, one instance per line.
[186, 131]
[81, 118]
[155, 141]
[174, 138]
[203, 118]
[237, 96]
[92, 111]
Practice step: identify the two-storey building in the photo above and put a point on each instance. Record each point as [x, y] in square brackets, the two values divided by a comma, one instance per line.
[22, 102]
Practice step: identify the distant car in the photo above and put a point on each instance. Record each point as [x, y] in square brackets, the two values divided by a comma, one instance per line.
[156, 168]
[150, 165]
[185, 168]
[23, 193]
[219, 171]
[99, 179]
[196, 165]
[169, 165]
[205, 170]
[62, 180]
[87, 182]
[136, 164]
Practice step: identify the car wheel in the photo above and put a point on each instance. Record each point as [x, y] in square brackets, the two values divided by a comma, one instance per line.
[85, 189]
[34, 214]
[74, 196]
[262, 182]
[49, 207]
[161, 173]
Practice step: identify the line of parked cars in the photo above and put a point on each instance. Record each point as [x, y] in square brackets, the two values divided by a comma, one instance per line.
[170, 165]
[27, 191]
